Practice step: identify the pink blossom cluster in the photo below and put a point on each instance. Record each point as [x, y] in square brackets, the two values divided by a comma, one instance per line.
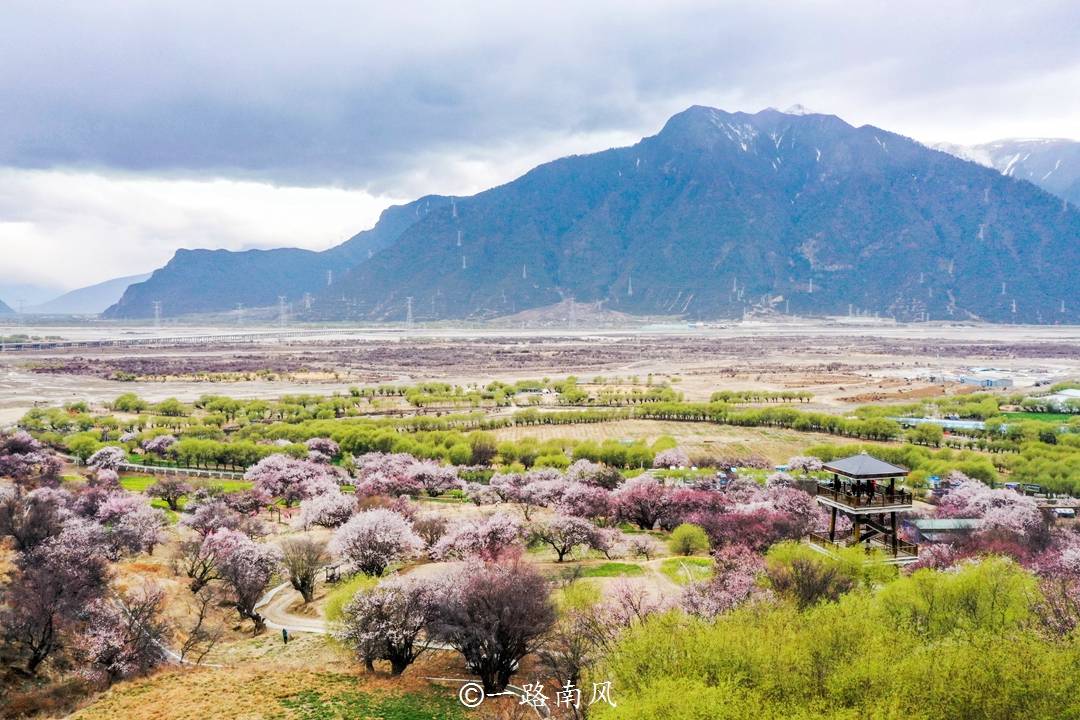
[331, 509]
[24, 459]
[999, 509]
[489, 539]
[737, 570]
[109, 457]
[671, 458]
[292, 480]
[159, 445]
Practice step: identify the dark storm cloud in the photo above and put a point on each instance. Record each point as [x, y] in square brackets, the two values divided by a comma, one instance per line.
[375, 95]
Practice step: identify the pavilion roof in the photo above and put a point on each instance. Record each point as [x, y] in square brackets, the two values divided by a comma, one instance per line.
[864, 466]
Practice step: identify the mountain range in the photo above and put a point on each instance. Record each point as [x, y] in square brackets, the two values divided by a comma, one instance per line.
[5, 309]
[716, 215]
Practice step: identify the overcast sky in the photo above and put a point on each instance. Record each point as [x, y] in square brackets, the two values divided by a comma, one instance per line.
[129, 129]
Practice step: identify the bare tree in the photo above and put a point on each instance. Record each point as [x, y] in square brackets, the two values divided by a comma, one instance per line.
[303, 557]
[194, 560]
[204, 634]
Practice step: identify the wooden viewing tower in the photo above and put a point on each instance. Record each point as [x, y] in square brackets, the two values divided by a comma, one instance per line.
[865, 490]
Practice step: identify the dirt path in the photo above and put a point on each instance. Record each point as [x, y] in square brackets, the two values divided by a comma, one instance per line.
[274, 607]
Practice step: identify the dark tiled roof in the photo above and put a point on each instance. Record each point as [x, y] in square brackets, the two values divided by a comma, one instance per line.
[864, 466]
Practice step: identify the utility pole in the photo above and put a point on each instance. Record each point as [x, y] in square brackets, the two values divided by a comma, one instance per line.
[157, 313]
[329, 278]
[281, 310]
[463, 265]
[408, 313]
[573, 314]
[307, 301]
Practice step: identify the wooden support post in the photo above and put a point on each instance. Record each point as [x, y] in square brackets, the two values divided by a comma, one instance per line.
[894, 547]
[832, 525]
[855, 528]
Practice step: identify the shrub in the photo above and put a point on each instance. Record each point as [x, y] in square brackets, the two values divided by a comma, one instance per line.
[688, 539]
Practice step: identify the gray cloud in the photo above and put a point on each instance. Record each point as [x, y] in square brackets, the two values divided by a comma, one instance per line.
[406, 98]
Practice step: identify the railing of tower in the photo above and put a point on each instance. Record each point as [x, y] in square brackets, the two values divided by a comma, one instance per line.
[884, 545]
[881, 497]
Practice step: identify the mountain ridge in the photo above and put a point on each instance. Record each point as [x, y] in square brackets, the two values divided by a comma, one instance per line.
[721, 225]
[1050, 163]
[89, 300]
[257, 278]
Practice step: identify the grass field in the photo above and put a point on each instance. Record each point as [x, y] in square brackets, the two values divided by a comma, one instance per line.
[718, 440]
[612, 569]
[139, 483]
[685, 570]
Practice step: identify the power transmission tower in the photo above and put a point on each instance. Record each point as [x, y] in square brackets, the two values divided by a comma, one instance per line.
[573, 314]
[329, 278]
[408, 313]
[157, 313]
[281, 310]
[307, 301]
[463, 265]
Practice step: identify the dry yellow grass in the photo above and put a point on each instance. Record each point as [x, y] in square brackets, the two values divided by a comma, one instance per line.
[273, 683]
[243, 693]
[718, 440]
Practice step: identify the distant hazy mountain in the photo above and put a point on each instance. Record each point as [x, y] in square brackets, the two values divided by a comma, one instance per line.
[725, 212]
[198, 281]
[1052, 164]
[89, 300]
[718, 214]
[5, 310]
[26, 293]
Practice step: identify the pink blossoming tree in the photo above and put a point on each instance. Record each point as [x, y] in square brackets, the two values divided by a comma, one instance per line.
[373, 539]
